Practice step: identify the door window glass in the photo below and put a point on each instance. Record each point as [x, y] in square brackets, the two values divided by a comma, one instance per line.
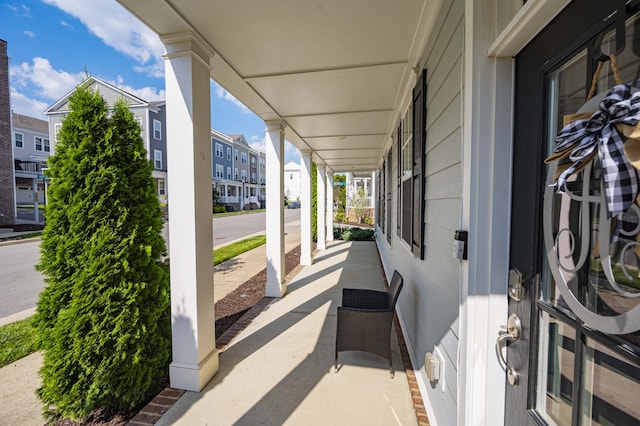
[555, 367]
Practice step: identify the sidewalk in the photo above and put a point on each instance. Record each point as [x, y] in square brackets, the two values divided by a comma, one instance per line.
[18, 402]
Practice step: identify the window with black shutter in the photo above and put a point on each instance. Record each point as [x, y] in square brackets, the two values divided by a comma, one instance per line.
[419, 138]
[389, 186]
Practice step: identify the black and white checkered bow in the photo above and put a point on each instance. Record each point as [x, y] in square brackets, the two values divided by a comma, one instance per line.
[582, 137]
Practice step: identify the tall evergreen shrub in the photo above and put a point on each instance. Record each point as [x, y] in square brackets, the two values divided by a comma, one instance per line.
[314, 201]
[103, 319]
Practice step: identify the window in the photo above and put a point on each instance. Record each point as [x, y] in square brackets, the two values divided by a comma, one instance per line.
[139, 121]
[157, 159]
[19, 140]
[157, 129]
[56, 130]
[411, 142]
[161, 189]
[244, 175]
[47, 145]
[235, 173]
[228, 153]
[243, 157]
[253, 178]
[39, 144]
[219, 150]
[229, 173]
[253, 162]
[236, 155]
[219, 171]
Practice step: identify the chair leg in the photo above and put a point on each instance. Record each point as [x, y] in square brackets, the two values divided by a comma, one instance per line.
[392, 373]
[336, 362]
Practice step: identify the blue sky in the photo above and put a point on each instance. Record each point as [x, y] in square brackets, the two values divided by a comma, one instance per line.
[52, 42]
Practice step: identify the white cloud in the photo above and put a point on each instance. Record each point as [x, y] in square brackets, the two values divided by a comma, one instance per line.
[20, 9]
[258, 143]
[49, 83]
[66, 24]
[24, 105]
[117, 28]
[221, 93]
[29, 34]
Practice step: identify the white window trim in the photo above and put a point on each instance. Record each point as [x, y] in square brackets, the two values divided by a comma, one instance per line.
[219, 171]
[229, 153]
[157, 123]
[15, 141]
[35, 143]
[46, 145]
[228, 173]
[219, 150]
[162, 190]
[56, 129]
[156, 153]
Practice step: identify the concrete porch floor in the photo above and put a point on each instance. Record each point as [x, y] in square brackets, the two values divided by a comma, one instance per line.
[279, 370]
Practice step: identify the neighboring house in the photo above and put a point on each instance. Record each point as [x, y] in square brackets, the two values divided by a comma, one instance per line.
[238, 172]
[292, 181]
[242, 173]
[227, 190]
[150, 115]
[31, 148]
[360, 197]
[455, 105]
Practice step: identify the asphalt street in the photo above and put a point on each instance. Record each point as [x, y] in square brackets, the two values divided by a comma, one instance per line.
[20, 283]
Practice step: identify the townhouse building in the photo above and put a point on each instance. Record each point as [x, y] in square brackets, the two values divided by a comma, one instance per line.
[150, 115]
[292, 181]
[31, 148]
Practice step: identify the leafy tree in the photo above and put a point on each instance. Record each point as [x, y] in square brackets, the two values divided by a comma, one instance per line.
[103, 319]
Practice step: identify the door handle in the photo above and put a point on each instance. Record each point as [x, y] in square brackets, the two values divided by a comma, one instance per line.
[508, 333]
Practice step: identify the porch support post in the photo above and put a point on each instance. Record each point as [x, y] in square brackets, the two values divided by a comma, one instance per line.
[306, 240]
[36, 208]
[187, 76]
[276, 286]
[321, 194]
[329, 206]
[374, 219]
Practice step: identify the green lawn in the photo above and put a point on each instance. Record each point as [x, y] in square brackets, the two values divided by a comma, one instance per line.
[232, 250]
[238, 212]
[17, 339]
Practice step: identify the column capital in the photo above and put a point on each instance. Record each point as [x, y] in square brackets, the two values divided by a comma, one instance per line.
[188, 43]
[306, 152]
[276, 125]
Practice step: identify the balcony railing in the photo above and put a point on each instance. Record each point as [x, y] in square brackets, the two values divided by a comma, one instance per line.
[361, 202]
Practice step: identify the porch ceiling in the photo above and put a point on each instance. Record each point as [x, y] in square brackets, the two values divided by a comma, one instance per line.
[335, 71]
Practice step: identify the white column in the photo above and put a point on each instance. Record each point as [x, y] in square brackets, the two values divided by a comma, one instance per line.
[36, 208]
[322, 223]
[276, 286]
[329, 206]
[373, 198]
[187, 76]
[306, 239]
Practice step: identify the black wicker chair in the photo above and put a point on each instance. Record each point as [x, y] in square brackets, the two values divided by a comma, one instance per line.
[365, 319]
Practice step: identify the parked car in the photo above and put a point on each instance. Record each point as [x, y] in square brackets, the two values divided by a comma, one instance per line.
[294, 205]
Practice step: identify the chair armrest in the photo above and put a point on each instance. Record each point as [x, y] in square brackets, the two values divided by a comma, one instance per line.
[364, 299]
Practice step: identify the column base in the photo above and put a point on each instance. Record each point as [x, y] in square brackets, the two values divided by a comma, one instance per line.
[193, 377]
[275, 290]
[306, 261]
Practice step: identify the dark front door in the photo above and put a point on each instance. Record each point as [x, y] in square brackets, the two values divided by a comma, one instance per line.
[577, 359]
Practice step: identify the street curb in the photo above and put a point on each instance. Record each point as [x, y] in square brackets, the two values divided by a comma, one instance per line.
[19, 241]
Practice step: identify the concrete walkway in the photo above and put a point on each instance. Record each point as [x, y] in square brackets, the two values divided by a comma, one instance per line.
[279, 370]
